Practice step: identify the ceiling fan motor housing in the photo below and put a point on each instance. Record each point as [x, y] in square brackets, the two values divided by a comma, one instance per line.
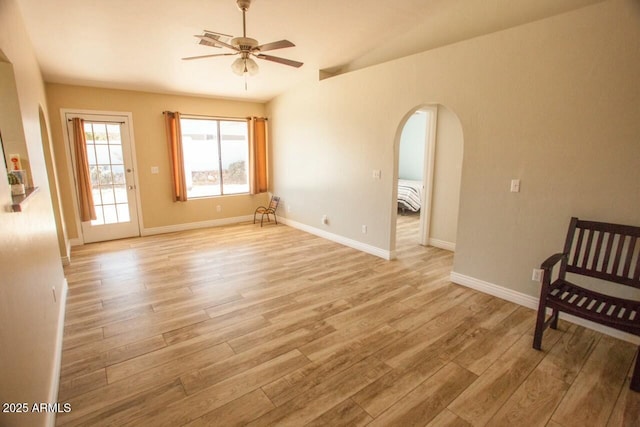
[245, 44]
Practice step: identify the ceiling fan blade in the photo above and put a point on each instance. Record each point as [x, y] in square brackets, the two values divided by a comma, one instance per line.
[224, 38]
[215, 41]
[281, 44]
[207, 56]
[284, 61]
[215, 33]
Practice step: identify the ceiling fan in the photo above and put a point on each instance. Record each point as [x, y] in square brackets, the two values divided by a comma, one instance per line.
[244, 46]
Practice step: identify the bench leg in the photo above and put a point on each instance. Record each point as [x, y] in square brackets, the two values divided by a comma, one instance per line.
[540, 325]
[554, 319]
[635, 376]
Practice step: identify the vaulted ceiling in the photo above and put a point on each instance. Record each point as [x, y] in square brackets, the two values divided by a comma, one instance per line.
[138, 44]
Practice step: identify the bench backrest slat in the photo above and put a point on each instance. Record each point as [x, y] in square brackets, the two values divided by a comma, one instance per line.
[630, 251]
[619, 262]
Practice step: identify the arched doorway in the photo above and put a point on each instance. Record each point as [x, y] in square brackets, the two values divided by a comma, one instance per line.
[428, 153]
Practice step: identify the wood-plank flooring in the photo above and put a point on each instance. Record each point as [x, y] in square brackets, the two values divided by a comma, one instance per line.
[242, 325]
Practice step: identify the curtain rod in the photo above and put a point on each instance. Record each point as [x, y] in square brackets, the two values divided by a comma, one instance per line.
[214, 117]
[100, 121]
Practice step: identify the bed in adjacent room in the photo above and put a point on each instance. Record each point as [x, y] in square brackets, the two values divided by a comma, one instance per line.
[409, 195]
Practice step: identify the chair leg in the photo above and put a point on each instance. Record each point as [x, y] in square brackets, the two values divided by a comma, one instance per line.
[261, 219]
[635, 376]
[537, 336]
[554, 321]
[254, 216]
[275, 218]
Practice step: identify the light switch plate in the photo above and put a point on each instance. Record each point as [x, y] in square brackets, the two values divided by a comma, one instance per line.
[155, 169]
[515, 185]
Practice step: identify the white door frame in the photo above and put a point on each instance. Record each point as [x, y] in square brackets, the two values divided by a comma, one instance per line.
[127, 117]
[427, 176]
[428, 172]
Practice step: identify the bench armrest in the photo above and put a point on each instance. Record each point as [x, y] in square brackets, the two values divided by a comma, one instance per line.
[550, 262]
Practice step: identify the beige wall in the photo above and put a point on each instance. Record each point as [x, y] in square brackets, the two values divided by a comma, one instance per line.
[157, 206]
[29, 257]
[554, 103]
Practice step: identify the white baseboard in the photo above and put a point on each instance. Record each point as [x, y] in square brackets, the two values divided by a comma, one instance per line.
[339, 239]
[195, 225]
[532, 302]
[66, 259]
[57, 355]
[436, 243]
[76, 241]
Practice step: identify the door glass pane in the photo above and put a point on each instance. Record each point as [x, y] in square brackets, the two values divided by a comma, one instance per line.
[110, 215]
[95, 175]
[99, 216]
[121, 193]
[123, 212]
[107, 195]
[105, 177]
[97, 198]
[108, 179]
[116, 154]
[113, 132]
[91, 154]
[200, 151]
[100, 133]
[102, 154]
[118, 174]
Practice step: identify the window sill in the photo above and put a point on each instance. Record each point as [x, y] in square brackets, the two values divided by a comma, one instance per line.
[18, 203]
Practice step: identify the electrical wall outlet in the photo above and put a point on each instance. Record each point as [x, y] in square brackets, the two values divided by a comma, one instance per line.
[515, 185]
[364, 229]
[218, 208]
[537, 274]
[325, 220]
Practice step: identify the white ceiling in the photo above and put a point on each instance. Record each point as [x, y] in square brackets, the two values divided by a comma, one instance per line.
[138, 44]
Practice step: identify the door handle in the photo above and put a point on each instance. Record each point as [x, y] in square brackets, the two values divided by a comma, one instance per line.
[132, 187]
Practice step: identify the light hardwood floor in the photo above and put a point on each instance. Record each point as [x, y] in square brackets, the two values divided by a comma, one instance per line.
[272, 326]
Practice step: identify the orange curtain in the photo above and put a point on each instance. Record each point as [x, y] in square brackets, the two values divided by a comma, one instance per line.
[258, 151]
[174, 139]
[85, 195]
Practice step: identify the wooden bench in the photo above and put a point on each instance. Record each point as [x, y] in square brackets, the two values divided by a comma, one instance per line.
[604, 251]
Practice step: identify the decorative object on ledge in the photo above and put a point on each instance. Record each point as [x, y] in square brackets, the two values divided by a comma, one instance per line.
[16, 182]
[19, 202]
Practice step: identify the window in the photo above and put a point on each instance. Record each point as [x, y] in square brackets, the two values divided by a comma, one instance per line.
[216, 156]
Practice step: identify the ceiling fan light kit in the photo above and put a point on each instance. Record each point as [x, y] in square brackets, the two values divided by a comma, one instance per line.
[242, 66]
[244, 46]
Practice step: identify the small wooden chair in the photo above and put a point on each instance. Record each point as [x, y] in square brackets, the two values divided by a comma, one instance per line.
[266, 210]
[600, 250]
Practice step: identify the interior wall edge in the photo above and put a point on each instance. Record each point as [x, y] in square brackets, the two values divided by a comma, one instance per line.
[57, 355]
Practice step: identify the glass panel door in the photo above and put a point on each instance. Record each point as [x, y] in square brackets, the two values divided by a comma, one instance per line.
[112, 181]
